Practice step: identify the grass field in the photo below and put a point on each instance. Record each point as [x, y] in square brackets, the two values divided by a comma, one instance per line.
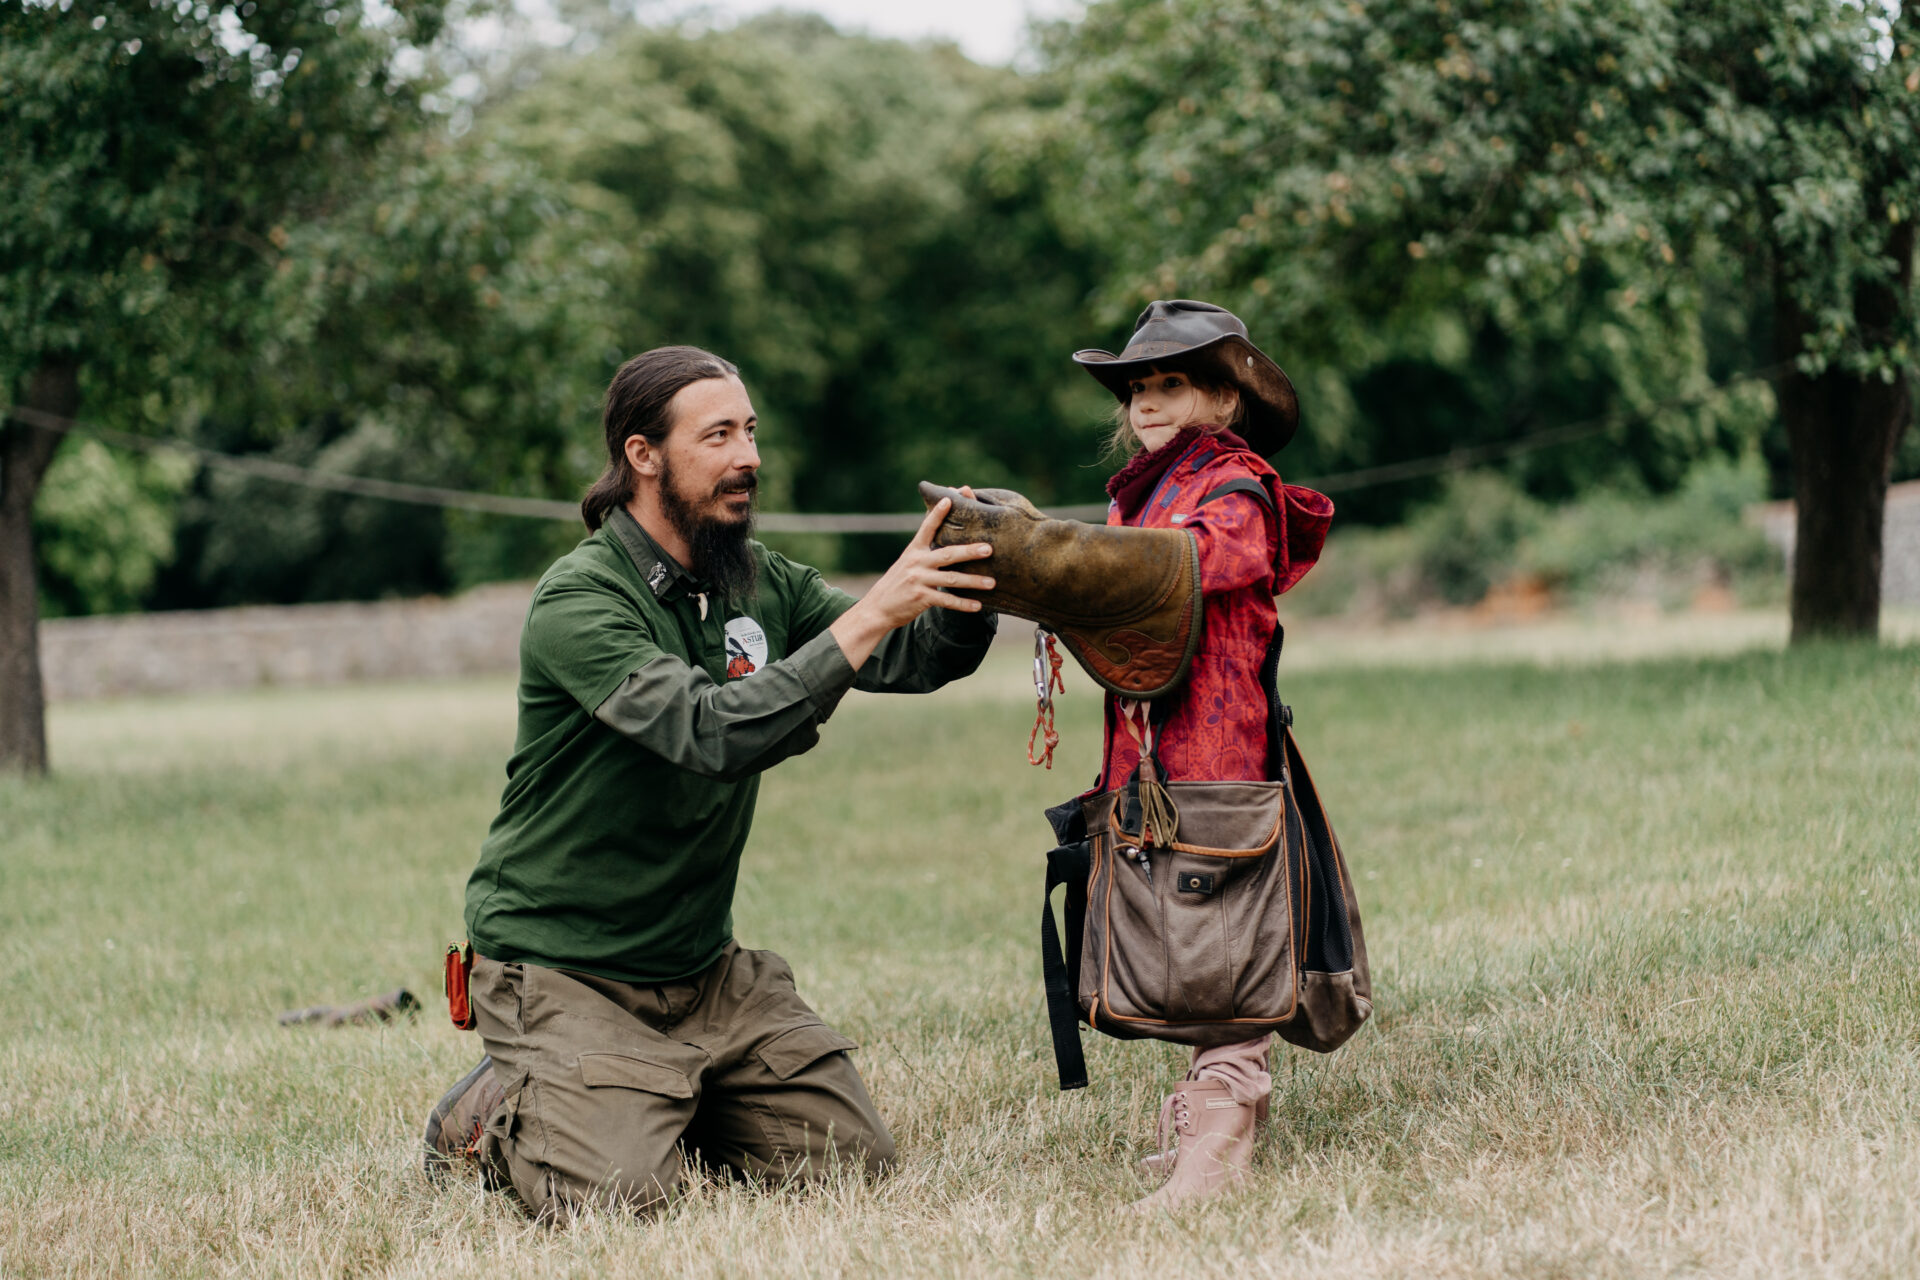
[1644, 941]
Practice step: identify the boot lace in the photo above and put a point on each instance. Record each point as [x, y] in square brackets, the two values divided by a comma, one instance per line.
[1175, 1121]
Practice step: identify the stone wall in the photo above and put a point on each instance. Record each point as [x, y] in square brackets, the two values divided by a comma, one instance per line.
[1900, 567]
[477, 633]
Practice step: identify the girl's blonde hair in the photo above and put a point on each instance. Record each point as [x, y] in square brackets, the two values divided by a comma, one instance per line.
[1122, 444]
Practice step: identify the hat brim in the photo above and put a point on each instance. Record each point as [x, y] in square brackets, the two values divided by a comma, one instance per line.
[1272, 408]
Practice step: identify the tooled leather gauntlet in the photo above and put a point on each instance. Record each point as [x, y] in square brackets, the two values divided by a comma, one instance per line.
[1125, 602]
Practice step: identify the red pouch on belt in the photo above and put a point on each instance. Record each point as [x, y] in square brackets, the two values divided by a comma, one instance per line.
[459, 966]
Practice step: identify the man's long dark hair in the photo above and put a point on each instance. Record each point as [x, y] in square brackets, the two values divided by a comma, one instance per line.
[637, 401]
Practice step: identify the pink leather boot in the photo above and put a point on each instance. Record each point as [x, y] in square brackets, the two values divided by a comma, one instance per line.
[1215, 1134]
[1160, 1163]
[1242, 1067]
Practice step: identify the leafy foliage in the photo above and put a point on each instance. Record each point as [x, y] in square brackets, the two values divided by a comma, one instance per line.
[449, 323]
[169, 165]
[861, 225]
[858, 225]
[104, 526]
[1515, 212]
[153, 154]
[1456, 221]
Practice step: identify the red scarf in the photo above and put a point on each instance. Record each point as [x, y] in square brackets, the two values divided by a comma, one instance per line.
[1133, 484]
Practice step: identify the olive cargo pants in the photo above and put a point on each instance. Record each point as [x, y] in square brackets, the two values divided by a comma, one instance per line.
[608, 1083]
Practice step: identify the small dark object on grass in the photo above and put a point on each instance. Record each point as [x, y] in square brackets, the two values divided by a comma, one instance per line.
[386, 1008]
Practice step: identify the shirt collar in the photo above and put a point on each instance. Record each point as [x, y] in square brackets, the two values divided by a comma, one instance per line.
[664, 575]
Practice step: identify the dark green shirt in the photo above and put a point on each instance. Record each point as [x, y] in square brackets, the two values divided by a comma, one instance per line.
[647, 711]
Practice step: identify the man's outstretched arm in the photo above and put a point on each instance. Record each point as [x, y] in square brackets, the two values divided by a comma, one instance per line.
[730, 730]
[741, 727]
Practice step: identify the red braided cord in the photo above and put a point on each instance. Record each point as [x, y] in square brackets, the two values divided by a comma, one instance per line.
[1043, 712]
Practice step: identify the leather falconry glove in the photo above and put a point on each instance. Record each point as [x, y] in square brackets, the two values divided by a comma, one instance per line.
[1126, 602]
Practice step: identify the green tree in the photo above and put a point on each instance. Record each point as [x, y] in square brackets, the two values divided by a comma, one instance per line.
[103, 526]
[152, 154]
[1354, 171]
[860, 224]
[448, 322]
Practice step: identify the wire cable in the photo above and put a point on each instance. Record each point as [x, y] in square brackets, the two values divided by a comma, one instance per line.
[501, 504]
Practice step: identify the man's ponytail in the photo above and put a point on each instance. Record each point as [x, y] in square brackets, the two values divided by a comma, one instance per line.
[613, 489]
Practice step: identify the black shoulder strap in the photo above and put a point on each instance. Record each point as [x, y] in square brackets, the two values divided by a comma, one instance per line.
[1280, 715]
[1067, 865]
[1243, 485]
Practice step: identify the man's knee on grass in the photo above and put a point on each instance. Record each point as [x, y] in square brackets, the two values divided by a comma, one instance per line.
[855, 1145]
[546, 1196]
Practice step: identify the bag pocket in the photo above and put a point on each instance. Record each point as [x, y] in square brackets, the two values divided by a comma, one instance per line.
[1207, 938]
[1233, 934]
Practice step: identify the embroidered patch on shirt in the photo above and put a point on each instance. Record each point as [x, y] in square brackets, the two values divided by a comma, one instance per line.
[746, 647]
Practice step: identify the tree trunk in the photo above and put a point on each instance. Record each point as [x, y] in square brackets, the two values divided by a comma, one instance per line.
[1842, 432]
[25, 451]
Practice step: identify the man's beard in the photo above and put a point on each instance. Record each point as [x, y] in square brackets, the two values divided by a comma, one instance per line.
[718, 543]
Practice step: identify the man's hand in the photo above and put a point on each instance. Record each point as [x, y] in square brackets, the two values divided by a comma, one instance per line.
[919, 580]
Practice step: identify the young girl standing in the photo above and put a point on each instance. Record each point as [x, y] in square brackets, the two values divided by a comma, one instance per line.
[1200, 408]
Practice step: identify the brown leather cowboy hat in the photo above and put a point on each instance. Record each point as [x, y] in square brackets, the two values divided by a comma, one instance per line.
[1208, 340]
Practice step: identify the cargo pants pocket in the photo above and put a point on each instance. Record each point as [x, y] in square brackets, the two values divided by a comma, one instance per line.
[790, 1052]
[631, 1071]
[498, 1133]
[809, 1109]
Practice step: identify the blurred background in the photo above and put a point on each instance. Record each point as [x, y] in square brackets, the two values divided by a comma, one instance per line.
[1555, 283]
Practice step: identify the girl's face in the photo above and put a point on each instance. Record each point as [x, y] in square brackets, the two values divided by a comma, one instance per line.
[1161, 403]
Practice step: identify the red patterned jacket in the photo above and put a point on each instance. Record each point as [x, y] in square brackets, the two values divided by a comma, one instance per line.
[1218, 731]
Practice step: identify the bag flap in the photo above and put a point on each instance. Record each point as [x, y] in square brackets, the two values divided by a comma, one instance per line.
[1228, 817]
[1219, 818]
[625, 1071]
[791, 1052]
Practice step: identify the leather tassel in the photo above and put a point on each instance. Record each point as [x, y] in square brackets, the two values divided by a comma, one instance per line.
[1159, 816]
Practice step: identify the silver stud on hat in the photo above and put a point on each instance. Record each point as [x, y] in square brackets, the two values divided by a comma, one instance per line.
[1249, 362]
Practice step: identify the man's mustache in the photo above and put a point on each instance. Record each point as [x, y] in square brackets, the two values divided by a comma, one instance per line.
[749, 483]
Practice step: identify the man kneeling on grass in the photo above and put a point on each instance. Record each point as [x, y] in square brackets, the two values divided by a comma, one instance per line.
[665, 662]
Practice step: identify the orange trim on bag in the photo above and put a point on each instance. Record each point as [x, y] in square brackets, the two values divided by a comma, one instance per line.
[1106, 968]
[1265, 846]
